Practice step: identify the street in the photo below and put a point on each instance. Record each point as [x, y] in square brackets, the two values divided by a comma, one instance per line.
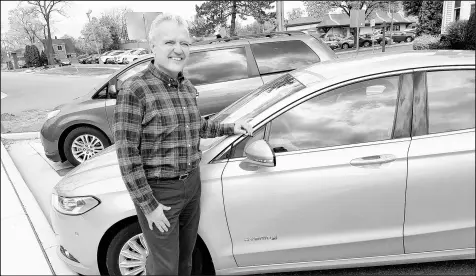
[38, 91]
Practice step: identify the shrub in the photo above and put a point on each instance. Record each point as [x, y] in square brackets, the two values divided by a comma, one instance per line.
[426, 42]
[470, 38]
[35, 56]
[43, 58]
[456, 34]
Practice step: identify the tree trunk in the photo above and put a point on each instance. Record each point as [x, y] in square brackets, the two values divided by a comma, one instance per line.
[233, 19]
[49, 44]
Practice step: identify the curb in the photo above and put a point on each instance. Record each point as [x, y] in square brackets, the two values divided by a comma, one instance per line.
[21, 136]
[40, 225]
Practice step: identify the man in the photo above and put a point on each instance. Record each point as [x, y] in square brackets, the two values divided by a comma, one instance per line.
[157, 130]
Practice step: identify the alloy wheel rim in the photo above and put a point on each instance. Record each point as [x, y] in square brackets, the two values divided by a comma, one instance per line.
[133, 256]
[86, 146]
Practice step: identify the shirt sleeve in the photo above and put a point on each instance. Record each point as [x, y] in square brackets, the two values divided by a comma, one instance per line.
[210, 129]
[127, 127]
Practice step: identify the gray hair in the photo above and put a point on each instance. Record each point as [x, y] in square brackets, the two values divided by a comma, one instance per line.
[165, 17]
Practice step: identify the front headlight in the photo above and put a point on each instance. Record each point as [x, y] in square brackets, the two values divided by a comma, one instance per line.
[52, 114]
[73, 205]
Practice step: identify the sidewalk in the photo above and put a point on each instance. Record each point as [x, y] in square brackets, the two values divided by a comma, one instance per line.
[19, 239]
[28, 242]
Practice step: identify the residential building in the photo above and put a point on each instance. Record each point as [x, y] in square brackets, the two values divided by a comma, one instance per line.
[339, 24]
[454, 11]
[62, 48]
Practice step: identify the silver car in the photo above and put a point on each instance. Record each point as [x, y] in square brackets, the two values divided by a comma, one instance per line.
[357, 162]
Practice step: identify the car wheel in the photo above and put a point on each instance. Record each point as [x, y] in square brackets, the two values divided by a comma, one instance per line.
[127, 253]
[83, 143]
[366, 44]
[408, 39]
[345, 46]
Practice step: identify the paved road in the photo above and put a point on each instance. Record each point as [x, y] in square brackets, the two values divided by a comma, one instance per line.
[35, 91]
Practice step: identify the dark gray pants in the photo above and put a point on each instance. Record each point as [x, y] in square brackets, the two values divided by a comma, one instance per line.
[170, 253]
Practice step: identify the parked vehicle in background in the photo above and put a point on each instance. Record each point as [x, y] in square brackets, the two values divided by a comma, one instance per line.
[222, 70]
[356, 162]
[82, 58]
[366, 40]
[62, 61]
[92, 59]
[397, 37]
[347, 42]
[333, 44]
[134, 55]
[118, 59]
[109, 58]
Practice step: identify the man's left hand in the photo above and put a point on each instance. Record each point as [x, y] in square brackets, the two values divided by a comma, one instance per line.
[243, 128]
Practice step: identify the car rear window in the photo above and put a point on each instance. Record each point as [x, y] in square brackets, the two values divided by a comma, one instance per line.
[274, 57]
[217, 66]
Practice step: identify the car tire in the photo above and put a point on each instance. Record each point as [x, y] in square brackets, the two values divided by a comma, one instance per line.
[75, 134]
[409, 39]
[345, 46]
[366, 44]
[200, 260]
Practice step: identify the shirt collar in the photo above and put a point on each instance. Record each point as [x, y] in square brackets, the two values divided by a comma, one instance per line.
[165, 77]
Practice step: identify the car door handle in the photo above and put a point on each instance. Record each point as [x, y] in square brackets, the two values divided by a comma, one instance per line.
[373, 160]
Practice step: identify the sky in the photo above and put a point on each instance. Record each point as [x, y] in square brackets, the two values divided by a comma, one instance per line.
[77, 10]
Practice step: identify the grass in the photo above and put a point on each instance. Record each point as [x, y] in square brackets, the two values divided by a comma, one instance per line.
[26, 121]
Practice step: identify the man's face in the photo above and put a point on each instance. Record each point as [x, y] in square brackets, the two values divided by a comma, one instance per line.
[171, 47]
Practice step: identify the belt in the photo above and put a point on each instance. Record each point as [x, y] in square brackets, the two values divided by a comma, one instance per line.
[180, 177]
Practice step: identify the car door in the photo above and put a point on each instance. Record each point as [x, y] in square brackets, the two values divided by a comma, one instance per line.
[440, 213]
[338, 188]
[118, 81]
[278, 57]
[221, 76]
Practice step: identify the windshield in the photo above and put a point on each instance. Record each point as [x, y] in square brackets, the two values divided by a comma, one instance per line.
[135, 52]
[116, 53]
[259, 100]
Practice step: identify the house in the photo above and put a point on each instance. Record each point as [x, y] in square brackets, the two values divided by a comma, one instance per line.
[454, 11]
[62, 48]
[339, 24]
[302, 23]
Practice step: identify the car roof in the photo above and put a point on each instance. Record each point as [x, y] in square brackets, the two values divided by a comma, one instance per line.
[366, 65]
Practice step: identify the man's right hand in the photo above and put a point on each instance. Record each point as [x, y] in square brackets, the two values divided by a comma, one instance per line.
[158, 217]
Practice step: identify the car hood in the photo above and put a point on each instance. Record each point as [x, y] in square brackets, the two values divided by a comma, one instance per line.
[104, 166]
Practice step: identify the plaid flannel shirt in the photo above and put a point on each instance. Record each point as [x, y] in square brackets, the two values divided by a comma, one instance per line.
[157, 129]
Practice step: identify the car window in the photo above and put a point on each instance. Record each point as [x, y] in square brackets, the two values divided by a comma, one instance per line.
[451, 99]
[273, 57]
[127, 74]
[357, 113]
[216, 66]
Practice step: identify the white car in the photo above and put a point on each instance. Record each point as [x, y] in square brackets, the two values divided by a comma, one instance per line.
[354, 162]
[109, 58]
[133, 55]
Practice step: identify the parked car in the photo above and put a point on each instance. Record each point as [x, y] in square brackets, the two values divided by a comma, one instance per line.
[62, 61]
[118, 59]
[402, 36]
[82, 58]
[222, 70]
[109, 58]
[134, 55]
[348, 42]
[333, 44]
[92, 59]
[346, 168]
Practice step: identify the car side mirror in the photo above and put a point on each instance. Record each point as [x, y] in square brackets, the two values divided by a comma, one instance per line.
[112, 89]
[260, 153]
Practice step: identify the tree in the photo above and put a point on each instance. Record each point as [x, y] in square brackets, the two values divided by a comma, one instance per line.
[27, 56]
[92, 32]
[43, 58]
[318, 9]
[25, 23]
[470, 38]
[412, 7]
[199, 27]
[47, 10]
[116, 19]
[218, 12]
[295, 13]
[429, 18]
[115, 39]
[35, 56]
